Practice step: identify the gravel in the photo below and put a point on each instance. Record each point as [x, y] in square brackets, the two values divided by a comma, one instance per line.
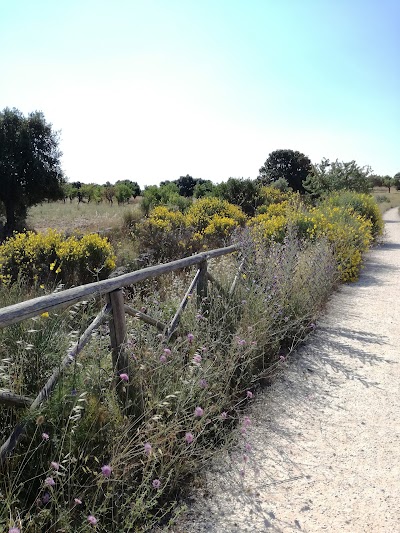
[325, 438]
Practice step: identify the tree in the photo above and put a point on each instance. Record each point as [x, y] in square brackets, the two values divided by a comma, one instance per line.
[242, 192]
[186, 185]
[122, 193]
[337, 175]
[293, 166]
[396, 181]
[30, 170]
[133, 186]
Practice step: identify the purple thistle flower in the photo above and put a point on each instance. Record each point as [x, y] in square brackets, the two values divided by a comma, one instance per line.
[203, 383]
[249, 394]
[46, 498]
[163, 359]
[147, 448]
[14, 530]
[45, 436]
[190, 337]
[248, 447]
[92, 520]
[55, 466]
[49, 481]
[197, 358]
[78, 501]
[124, 377]
[167, 351]
[246, 422]
[189, 438]
[156, 483]
[224, 415]
[198, 411]
[106, 470]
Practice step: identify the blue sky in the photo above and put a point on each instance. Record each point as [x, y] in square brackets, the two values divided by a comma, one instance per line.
[154, 89]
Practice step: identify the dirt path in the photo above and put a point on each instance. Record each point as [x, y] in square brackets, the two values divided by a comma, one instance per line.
[326, 437]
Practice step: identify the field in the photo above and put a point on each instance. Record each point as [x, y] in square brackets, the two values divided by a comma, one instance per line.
[385, 199]
[79, 217]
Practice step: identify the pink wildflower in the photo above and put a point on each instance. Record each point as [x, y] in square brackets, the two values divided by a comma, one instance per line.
[14, 530]
[124, 377]
[224, 415]
[198, 411]
[190, 337]
[55, 466]
[167, 351]
[92, 520]
[197, 358]
[163, 359]
[49, 481]
[156, 483]
[147, 448]
[248, 447]
[249, 394]
[246, 422]
[45, 436]
[189, 438]
[46, 498]
[78, 501]
[203, 383]
[106, 470]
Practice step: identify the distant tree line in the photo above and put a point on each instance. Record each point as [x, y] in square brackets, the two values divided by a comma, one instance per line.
[30, 173]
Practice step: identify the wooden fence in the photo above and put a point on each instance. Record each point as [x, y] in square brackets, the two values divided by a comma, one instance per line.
[114, 311]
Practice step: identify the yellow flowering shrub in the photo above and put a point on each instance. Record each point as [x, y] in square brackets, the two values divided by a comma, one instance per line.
[349, 234]
[164, 235]
[362, 204]
[42, 257]
[213, 221]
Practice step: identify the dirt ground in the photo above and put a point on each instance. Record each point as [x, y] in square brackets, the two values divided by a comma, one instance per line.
[323, 448]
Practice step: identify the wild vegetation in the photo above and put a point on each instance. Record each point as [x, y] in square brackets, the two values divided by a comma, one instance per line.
[90, 460]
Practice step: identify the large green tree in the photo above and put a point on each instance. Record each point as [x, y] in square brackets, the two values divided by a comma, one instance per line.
[30, 170]
[329, 176]
[291, 165]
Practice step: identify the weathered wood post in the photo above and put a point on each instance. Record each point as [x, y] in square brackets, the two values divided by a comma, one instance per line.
[202, 287]
[117, 325]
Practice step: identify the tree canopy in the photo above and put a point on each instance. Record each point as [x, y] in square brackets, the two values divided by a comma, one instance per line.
[330, 176]
[30, 170]
[291, 165]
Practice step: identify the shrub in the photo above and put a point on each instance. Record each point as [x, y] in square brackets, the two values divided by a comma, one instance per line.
[362, 204]
[209, 219]
[164, 235]
[43, 257]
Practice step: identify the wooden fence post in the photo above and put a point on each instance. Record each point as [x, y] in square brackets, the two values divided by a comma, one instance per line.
[117, 325]
[202, 286]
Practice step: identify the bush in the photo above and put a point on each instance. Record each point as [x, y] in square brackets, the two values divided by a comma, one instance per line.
[214, 220]
[44, 257]
[362, 204]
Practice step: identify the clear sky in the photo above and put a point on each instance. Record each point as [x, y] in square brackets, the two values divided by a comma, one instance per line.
[151, 90]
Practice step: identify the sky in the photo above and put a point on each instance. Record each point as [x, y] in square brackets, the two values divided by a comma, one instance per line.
[152, 90]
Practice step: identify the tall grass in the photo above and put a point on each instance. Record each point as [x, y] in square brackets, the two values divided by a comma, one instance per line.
[92, 462]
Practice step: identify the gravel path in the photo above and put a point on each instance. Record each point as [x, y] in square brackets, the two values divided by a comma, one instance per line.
[326, 436]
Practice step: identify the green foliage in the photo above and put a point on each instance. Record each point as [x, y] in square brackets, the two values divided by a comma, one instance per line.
[349, 221]
[362, 204]
[293, 166]
[329, 176]
[44, 257]
[122, 193]
[203, 189]
[244, 193]
[30, 169]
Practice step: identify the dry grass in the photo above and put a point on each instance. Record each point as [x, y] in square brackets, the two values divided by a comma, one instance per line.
[394, 198]
[78, 217]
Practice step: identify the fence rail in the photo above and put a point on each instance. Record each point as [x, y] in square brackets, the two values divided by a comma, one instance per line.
[115, 311]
